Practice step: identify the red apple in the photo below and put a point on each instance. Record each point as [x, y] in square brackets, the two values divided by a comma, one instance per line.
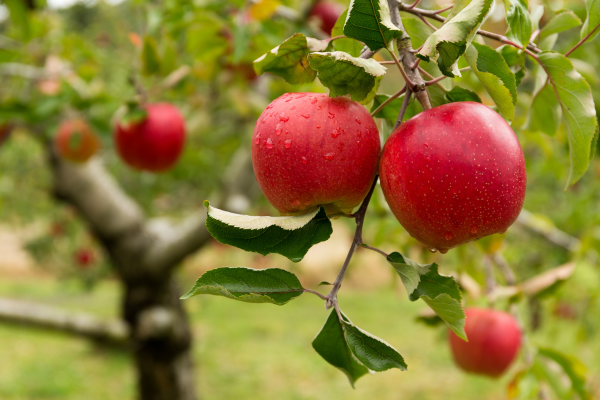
[75, 141]
[154, 143]
[494, 340]
[84, 258]
[453, 174]
[309, 149]
[328, 13]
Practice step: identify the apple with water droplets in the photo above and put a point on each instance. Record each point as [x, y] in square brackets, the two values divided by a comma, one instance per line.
[154, 141]
[311, 150]
[494, 341]
[75, 141]
[327, 13]
[453, 174]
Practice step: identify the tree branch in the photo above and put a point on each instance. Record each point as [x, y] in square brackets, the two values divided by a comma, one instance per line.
[435, 16]
[113, 332]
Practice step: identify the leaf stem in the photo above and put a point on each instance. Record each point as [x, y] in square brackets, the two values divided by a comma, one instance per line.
[385, 103]
[568, 53]
[409, 83]
[331, 298]
[404, 107]
[375, 249]
[427, 74]
[322, 296]
[414, 4]
[443, 9]
[429, 24]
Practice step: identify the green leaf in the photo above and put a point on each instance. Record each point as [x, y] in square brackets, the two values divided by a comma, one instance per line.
[417, 30]
[272, 285]
[459, 5]
[371, 95]
[495, 75]
[19, 16]
[372, 352]
[575, 98]
[440, 292]
[150, 57]
[369, 21]
[348, 45]
[449, 42]
[289, 60]
[572, 367]
[343, 74]
[561, 22]
[518, 20]
[391, 110]
[331, 344]
[515, 59]
[544, 115]
[592, 20]
[290, 236]
[460, 94]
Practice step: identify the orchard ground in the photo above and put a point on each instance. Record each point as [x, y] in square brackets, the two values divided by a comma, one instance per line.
[249, 351]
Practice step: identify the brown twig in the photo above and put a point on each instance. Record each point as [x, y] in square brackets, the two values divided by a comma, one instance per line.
[385, 103]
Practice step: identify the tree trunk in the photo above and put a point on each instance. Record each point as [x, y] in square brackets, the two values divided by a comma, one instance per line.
[161, 339]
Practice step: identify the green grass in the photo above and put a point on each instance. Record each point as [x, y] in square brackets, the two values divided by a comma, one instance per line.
[250, 351]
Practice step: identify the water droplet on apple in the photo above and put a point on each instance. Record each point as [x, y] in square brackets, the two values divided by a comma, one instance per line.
[278, 129]
[304, 160]
[289, 99]
[358, 142]
[313, 100]
[474, 229]
[448, 236]
[318, 126]
[357, 120]
[307, 115]
[300, 95]
[426, 146]
[443, 251]
[269, 143]
[284, 117]
[337, 132]
[433, 250]
[257, 139]
[329, 156]
[368, 131]
[288, 143]
[331, 115]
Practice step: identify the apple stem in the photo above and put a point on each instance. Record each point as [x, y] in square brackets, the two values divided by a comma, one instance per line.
[331, 298]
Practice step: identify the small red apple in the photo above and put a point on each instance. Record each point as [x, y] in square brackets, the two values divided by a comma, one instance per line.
[153, 143]
[75, 141]
[453, 174]
[494, 340]
[309, 149]
[328, 13]
[84, 258]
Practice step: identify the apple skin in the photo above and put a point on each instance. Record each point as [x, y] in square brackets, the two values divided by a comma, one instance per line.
[328, 13]
[75, 141]
[494, 341]
[309, 149]
[453, 174]
[155, 143]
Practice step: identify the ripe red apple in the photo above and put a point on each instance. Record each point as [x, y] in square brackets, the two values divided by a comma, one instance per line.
[309, 149]
[453, 174]
[84, 258]
[75, 141]
[154, 143]
[494, 340]
[328, 13]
